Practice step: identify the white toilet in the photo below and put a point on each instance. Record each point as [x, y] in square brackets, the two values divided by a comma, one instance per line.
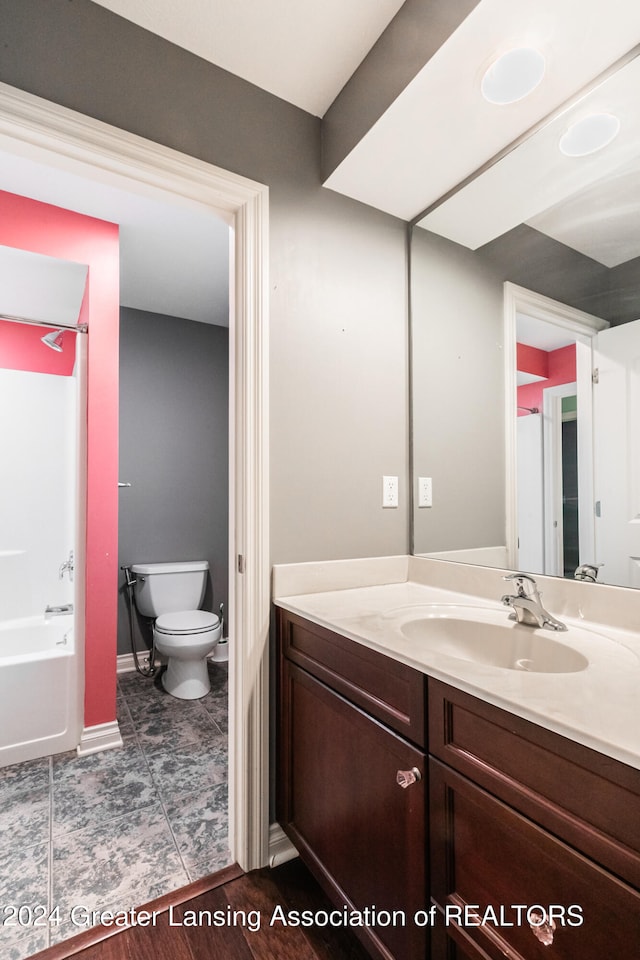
[186, 635]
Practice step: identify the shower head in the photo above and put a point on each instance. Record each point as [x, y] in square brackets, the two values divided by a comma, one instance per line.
[54, 340]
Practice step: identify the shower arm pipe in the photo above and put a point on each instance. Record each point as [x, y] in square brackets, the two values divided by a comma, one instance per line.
[75, 327]
[529, 409]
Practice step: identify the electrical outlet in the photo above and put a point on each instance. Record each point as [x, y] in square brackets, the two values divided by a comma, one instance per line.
[389, 491]
[425, 492]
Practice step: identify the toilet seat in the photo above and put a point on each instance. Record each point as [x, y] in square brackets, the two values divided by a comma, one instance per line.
[186, 622]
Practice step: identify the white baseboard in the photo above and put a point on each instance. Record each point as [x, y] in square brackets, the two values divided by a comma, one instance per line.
[103, 736]
[126, 663]
[280, 847]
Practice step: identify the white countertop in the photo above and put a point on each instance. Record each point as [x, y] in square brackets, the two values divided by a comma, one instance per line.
[598, 706]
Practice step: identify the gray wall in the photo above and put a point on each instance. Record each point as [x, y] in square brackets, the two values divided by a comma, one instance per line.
[458, 377]
[531, 259]
[174, 411]
[338, 328]
[458, 395]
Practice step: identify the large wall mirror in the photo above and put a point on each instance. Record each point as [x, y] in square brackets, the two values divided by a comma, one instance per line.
[525, 352]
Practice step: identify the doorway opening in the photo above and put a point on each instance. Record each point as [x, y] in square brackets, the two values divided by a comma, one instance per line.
[76, 145]
[549, 436]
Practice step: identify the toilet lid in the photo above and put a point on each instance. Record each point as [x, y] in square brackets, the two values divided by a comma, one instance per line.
[187, 621]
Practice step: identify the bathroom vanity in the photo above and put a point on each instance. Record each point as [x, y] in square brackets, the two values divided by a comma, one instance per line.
[471, 830]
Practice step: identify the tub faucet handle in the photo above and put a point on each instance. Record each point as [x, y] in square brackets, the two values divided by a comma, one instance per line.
[68, 566]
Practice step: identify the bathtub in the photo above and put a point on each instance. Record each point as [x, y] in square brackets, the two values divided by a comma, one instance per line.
[39, 701]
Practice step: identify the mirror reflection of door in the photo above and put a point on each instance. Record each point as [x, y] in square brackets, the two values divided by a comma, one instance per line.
[616, 403]
[547, 448]
[569, 468]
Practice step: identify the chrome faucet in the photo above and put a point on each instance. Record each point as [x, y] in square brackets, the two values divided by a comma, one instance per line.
[68, 566]
[588, 571]
[527, 605]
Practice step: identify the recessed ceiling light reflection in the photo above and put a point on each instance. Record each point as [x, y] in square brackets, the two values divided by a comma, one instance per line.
[513, 76]
[590, 134]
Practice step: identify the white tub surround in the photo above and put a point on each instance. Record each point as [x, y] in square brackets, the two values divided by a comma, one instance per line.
[38, 688]
[595, 706]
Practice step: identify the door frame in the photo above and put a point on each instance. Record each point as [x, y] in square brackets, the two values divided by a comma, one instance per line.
[553, 517]
[584, 327]
[46, 132]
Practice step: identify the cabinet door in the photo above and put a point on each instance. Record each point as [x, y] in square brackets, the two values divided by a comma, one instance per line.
[359, 832]
[588, 799]
[452, 944]
[485, 855]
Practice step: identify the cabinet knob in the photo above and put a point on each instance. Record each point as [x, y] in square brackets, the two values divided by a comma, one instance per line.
[406, 777]
[542, 927]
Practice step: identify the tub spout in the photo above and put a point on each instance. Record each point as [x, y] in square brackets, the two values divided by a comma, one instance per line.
[58, 611]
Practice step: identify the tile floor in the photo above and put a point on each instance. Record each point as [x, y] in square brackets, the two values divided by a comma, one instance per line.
[118, 828]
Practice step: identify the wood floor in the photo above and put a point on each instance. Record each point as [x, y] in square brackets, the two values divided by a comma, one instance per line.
[244, 904]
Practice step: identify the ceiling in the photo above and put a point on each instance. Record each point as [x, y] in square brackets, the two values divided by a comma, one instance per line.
[562, 196]
[430, 140]
[439, 131]
[538, 333]
[174, 258]
[300, 50]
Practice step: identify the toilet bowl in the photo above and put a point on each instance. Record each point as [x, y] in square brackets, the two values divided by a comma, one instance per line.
[171, 593]
[187, 638]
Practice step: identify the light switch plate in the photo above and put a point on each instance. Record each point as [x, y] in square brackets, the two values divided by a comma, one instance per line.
[425, 492]
[389, 491]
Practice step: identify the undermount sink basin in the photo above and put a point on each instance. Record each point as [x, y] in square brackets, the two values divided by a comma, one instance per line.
[479, 636]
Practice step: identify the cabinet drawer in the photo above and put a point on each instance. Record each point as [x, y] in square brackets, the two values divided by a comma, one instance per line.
[388, 690]
[486, 855]
[591, 801]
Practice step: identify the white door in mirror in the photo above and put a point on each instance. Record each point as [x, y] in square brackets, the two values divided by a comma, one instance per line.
[616, 409]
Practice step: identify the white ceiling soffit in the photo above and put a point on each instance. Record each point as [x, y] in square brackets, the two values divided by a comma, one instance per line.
[36, 287]
[440, 129]
[524, 378]
[536, 175]
[541, 334]
[300, 50]
[174, 258]
[602, 222]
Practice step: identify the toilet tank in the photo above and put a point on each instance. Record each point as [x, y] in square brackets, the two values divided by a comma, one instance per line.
[169, 587]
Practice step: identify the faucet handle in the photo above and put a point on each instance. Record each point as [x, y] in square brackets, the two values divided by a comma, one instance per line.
[67, 565]
[588, 571]
[522, 581]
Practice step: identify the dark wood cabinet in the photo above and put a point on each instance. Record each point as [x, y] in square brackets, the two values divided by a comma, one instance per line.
[590, 800]
[524, 826]
[523, 818]
[359, 831]
[485, 856]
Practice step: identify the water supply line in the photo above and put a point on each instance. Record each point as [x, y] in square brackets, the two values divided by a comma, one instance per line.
[150, 670]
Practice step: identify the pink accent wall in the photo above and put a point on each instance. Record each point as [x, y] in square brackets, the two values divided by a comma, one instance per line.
[532, 360]
[21, 349]
[561, 368]
[41, 228]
